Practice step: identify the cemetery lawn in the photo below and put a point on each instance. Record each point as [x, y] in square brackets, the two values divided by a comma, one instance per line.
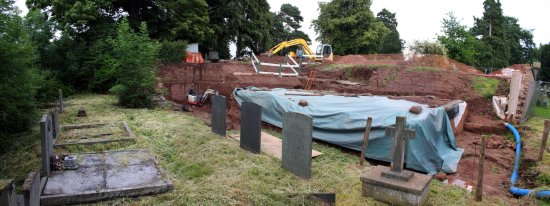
[206, 169]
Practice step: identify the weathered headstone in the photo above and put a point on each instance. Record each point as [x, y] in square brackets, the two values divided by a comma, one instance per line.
[297, 143]
[396, 186]
[55, 122]
[7, 193]
[251, 127]
[61, 101]
[219, 113]
[31, 189]
[401, 134]
[46, 134]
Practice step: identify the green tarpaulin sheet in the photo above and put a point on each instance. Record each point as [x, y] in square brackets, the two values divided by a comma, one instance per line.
[341, 121]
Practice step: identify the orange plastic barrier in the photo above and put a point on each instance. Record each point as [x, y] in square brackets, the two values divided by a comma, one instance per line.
[194, 57]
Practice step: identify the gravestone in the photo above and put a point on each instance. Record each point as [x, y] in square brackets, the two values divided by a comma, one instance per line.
[297, 143]
[31, 189]
[395, 185]
[55, 122]
[46, 134]
[60, 101]
[251, 127]
[7, 193]
[219, 113]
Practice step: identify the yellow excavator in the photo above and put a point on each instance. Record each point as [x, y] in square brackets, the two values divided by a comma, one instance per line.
[323, 52]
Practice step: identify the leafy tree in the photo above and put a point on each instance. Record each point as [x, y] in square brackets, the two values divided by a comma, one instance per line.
[291, 16]
[188, 20]
[427, 47]
[391, 43]
[350, 26]
[133, 63]
[17, 104]
[545, 62]
[459, 41]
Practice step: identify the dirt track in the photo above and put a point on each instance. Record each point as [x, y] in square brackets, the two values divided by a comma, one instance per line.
[385, 76]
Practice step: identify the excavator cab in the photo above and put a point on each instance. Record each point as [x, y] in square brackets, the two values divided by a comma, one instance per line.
[324, 50]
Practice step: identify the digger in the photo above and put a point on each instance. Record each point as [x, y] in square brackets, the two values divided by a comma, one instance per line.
[323, 52]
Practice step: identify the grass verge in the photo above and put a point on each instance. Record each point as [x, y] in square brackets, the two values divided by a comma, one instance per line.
[486, 87]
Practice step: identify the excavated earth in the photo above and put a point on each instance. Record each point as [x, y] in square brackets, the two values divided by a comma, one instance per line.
[433, 83]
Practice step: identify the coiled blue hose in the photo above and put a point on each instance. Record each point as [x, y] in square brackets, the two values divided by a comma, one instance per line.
[516, 190]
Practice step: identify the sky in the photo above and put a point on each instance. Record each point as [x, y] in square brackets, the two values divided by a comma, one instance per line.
[421, 19]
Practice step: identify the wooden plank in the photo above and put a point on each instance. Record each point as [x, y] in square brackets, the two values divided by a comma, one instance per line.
[479, 190]
[544, 139]
[365, 141]
[272, 146]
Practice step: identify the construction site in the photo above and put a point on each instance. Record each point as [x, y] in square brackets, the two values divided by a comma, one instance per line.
[428, 80]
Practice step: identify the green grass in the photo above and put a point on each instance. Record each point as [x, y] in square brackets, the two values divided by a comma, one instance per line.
[209, 170]
[486, 87]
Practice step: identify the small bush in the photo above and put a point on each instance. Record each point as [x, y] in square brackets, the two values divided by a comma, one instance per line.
[172, 51]
[135, 55]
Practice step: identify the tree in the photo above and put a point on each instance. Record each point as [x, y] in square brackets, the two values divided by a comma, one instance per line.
[17, 104]
[427, 47]
[391, 43]
[134, 56]
[350, 26]
[545, 62]
[461, 44]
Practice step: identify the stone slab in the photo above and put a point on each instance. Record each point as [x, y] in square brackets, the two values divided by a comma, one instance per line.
[46, 140]
[297, 144]
[393, 191]
[251, 127]
[219, 115]
[103, 176]
[55, 122]
[7, 192]
[31, 189]
[272, 146]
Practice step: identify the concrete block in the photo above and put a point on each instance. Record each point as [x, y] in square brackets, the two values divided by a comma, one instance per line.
[393, 191]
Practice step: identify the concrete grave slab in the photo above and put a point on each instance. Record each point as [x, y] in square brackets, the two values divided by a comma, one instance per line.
[219, 115]
[7, 192]
[297, 143]
[251, 127]
[272, 145]
[394, 191]
[103, 176]
[96, 133]
[55, 122]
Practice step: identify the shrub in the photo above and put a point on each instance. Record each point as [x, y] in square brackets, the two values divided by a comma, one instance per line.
[172, 51]
[427, 47]
[134, 58]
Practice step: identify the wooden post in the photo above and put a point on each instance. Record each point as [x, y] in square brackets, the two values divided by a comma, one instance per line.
[365, 141]
[544, 139]
[479, 190]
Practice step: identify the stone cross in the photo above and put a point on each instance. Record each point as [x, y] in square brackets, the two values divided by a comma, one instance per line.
[401, 134]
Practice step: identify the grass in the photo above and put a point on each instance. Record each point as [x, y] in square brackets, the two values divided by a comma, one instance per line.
[209, 170]
[486, 87]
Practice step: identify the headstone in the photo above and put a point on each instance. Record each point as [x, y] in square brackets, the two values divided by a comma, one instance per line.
[60, 101]
[323, 198]
[395, 185]
[219, 113]
[297, 143]
[7, 193]
[31, 189]
[46, 134]
[55, 122]
[81, 112]
[251, 127]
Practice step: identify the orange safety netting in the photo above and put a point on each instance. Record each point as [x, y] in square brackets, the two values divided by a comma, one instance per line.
[194, 57]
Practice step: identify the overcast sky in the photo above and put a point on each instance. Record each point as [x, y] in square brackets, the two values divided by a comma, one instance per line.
[421, 19]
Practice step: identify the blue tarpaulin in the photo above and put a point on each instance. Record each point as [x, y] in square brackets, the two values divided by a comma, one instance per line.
[341, 120]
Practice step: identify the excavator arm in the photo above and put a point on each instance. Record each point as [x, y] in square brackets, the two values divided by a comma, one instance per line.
[285, 44]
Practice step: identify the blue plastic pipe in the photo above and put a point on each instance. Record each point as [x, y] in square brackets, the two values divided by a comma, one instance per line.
[516, 190]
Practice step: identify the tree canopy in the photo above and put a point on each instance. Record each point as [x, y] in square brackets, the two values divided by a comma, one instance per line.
[391, 43]
[350, 26]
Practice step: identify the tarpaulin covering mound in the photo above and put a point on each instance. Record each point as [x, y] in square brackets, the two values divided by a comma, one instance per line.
[341, 121]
